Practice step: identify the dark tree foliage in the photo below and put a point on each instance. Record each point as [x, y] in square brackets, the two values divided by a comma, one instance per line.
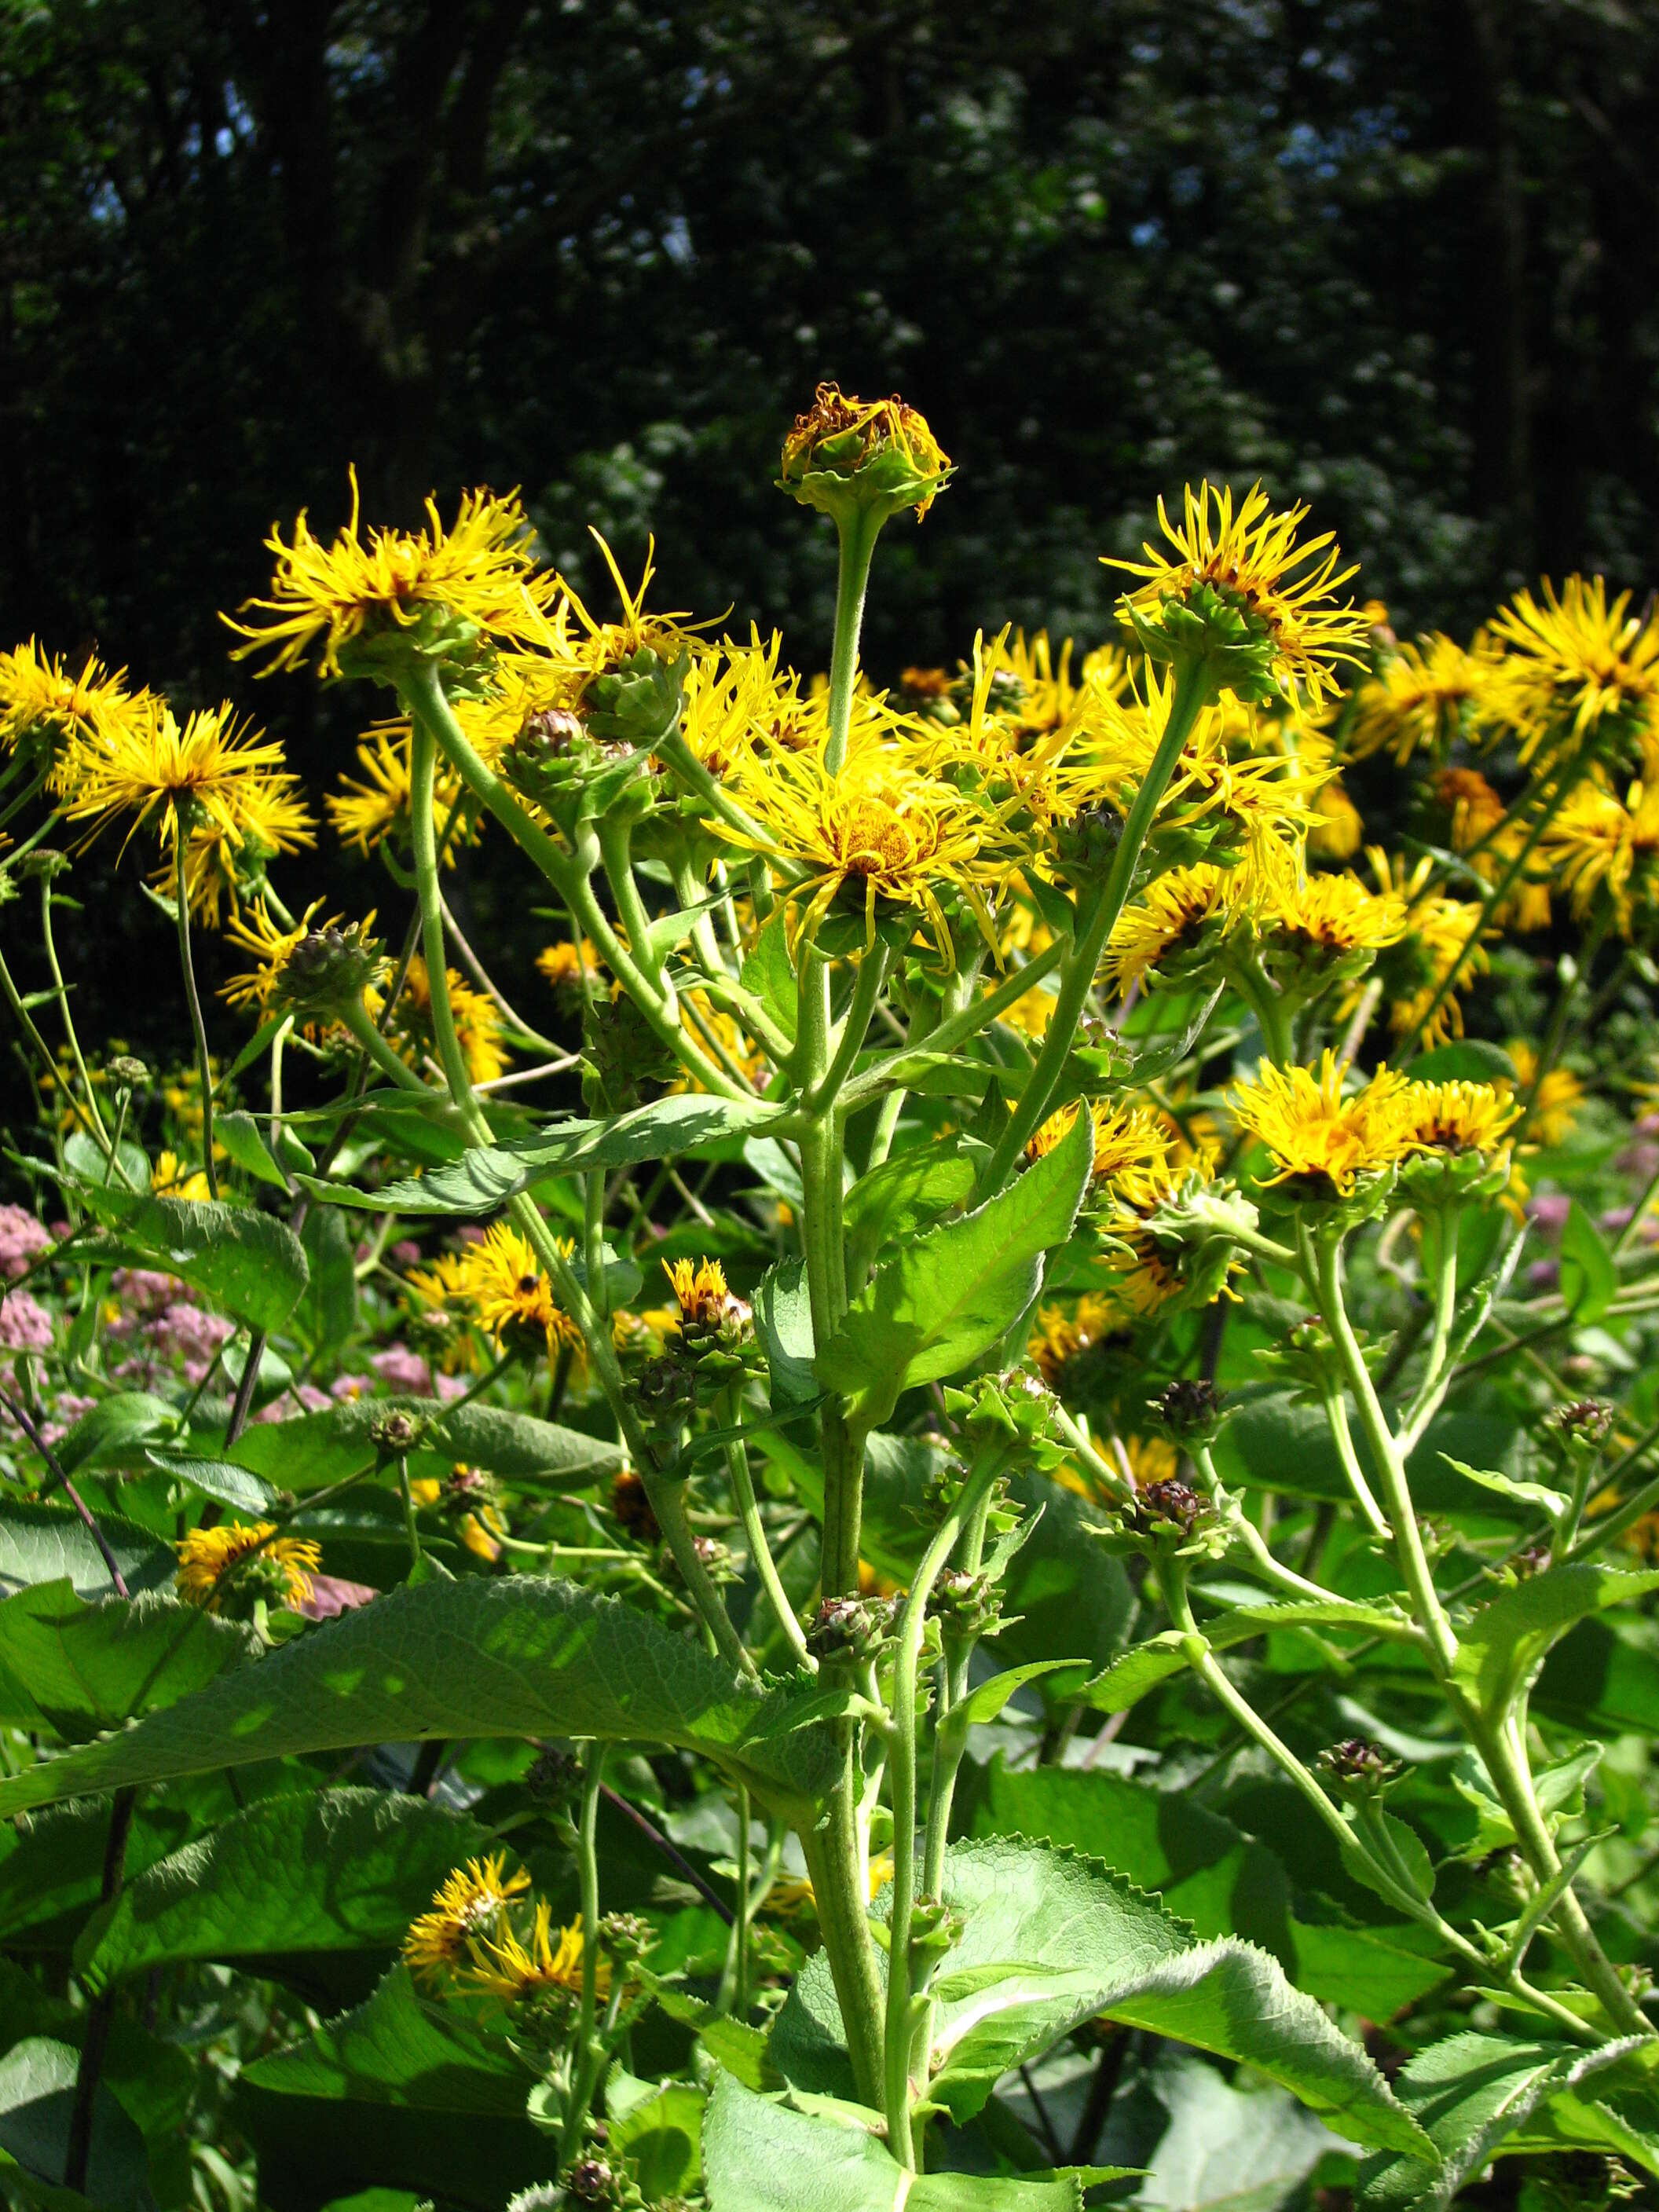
[1397, 256]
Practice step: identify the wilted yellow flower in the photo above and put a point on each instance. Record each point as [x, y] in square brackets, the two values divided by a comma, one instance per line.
[470, 1905]
[846, 438]
[1313, 1130]
[331, 599]
[1419, 698]
[1285, 591]
[1568, 662]
[213, 1562]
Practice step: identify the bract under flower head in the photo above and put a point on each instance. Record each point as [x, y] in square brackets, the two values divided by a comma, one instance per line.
[1243, 595]
[845, 453]
[364, 605]
[312, 968]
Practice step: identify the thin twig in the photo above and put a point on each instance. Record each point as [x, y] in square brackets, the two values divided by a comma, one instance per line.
[683, 1866]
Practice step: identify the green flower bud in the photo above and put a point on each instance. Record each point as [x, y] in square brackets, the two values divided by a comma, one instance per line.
[847, 456]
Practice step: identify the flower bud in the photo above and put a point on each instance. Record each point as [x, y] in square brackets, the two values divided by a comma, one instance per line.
[843, 1628]
[1171, 1504]
[590, 2180]
[1190, 1409]
[1584, 1426]
[328, 968]
[129, 1072]
[846, 456]
[1357, 1767]
[394, 1432]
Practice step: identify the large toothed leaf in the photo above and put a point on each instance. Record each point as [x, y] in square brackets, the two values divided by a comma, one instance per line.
[347, 1870]
[250, 1263]
[49, 1542]
[761, 2156]
[486, 1176]
[946, 1299]
[1078, 1943]
[512, 1657]
[79, 1668]
[315, 1449]
[1472, 2093]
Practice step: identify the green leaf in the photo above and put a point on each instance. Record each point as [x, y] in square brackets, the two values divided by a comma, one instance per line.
[37, 2099]
[1590, 1278]
[1229, 2146]
[221, 1478]
[486, 1176]
[985, 1703]
[1103, 1947]
[947, 1298]
[783, 1320]
[1471, 1061]
[243, 1138]
[315, 1449]
[1506, 1641]
[47, 1543]
[1553, 1502]
[761, 2156]
[769, 974]
[900, 1197]
[83, 1158]
[116, 1429]
[78, 1669]
[517, 1656]
[394, 2050]
[248, 1262]
[1470, 2091]
[1128, 1679]
[1211, 1874]
[661, 2139]
[344, 1870]
[328, 1313]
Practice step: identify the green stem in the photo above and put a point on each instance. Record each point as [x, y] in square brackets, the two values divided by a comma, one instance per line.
[872, 972]
[615, 834]
[1265, 1003]
[354, 1016]
[760, 1551]
[411, 1525]
[858, 531]
[590, 2051]
[835, 1866]
[593, 1240]
[733, 1992]
[198, 1028]
[1233, 1517]
[1194, 688]
[956, 1029]
[61, 990]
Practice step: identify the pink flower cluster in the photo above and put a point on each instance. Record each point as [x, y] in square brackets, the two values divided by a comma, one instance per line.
[21, 1238]
[24, 1324]
[164, 1328]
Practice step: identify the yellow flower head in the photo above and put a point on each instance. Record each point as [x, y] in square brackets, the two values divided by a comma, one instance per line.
[701, 1287]
[1598, 841]
[881, 829]
[469, 1904]
[40, 698]
[1132, 1147]
[401, 584]
[1251, 560]
[1419, 698]
[228, 866]
[729, 700]
[170, 1178]
[1555, 1101]
[1058, 1336]
[1339, 830]
[1454, 1117]
[214, 772]
[372, 807]
[499, 1280]
[478, 1023]
[1437, 930]
[882, 439]
[568, 967]
[1313, 1130]
[1337, 914]
[1171, 916]
[220, 1569]
[1569, 661]
[514, 1970]
[604, 645]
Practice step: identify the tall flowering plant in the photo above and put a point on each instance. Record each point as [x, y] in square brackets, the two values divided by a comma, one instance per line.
[1022, 1372]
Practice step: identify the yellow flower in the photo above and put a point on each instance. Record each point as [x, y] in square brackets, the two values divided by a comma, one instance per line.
[1313, 1130]
[503, 1965]
[1132, 1149]
[1340, 829]
[1337, 914]
[1569, 662]
[1598, 839]
[701, 1287]
[170, 1178]
[224, 865]
[1252, 560]
[1478, 827]
[219, 775]
[1058, 1336]
[1420, 698]
[725, 706]
[789, 1896]
[881, 829]
[328, 599]
[478, 1023]
[1454, 1117]
[498, 1280]
[469, 1904]
[1437, 930]
[1555, 1103]
[566, 967]
[369, 809]
[38, 696]
[213, 1562]
[1171, 916]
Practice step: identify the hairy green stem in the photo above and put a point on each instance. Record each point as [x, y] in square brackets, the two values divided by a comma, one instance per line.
[198, 1027]
[857, 534]
[590, 2050]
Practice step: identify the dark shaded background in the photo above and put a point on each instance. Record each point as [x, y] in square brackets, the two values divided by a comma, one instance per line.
[1400, 257]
